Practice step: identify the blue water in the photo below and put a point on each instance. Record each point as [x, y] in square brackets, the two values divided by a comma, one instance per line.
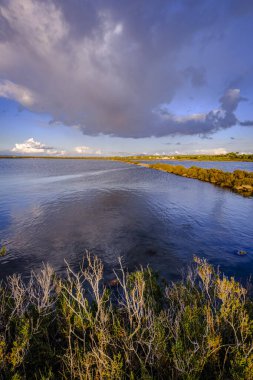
[51, 210]
[227, 166]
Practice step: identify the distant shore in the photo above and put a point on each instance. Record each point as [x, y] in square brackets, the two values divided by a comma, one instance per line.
[221, 157]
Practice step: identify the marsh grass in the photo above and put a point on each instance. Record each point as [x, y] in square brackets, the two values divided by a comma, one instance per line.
[77, 327]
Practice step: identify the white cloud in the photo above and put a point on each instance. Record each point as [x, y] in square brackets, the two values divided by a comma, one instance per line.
[211, 151]
[19, 93]
[57, 152]
[87, 150]
[32, 146]
[29, 146]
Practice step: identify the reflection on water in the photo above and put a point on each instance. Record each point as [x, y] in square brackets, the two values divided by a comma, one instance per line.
[55, 210]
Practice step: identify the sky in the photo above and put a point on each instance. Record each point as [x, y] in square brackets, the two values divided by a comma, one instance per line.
[110, 77]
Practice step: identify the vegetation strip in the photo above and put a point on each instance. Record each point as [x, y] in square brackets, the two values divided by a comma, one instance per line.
[232, 156]
[79, 327]
[239, 181]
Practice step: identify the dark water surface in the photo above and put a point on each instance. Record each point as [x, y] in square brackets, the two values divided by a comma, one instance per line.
[55, 209]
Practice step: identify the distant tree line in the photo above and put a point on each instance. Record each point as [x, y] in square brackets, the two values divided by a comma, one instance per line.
[232, 156]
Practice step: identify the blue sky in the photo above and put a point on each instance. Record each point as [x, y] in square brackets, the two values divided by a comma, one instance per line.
[110, 77]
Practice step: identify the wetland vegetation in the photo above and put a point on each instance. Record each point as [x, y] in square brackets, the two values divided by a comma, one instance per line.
[232, 156]
[135, 327]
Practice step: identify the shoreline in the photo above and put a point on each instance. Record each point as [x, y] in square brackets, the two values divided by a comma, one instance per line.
[238, 181]
[219, 158]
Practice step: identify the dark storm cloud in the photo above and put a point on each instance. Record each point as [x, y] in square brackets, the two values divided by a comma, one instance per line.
[203, 123]
[196, 75]
[247, 123]
[5, 29]
[106, 66]
[230, 100]
[206, 137]
[241, 7]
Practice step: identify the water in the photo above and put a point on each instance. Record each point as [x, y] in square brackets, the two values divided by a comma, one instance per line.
[51, 210]
[226, 166]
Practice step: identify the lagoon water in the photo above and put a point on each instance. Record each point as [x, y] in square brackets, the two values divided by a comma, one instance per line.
[226, 166]
[53, 210]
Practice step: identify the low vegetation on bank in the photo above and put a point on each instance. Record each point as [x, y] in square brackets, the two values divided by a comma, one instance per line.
[232, 156]
[77, 327]
[239, 181]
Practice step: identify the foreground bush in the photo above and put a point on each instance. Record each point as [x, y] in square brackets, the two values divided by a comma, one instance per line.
[137, 328]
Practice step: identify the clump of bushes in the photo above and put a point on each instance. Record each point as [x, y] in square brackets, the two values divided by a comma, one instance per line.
[78, 327]
[239, 181]
[3, 251]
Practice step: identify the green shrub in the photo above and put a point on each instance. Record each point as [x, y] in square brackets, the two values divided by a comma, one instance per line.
[78, 327]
